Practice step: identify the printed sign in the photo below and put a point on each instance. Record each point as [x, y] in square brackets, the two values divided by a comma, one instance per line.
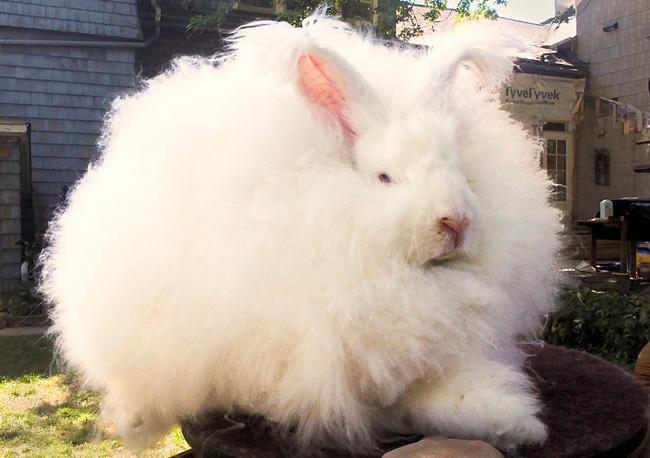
[535, 99]
[531, 96]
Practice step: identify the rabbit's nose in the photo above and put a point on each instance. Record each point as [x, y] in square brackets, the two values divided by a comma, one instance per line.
[455, 227]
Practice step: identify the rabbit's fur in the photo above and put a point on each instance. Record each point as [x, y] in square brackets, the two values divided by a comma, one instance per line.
[271, 231]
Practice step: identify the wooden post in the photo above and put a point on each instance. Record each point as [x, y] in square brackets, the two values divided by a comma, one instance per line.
[592, 248]
[624, 248]
[633, 270]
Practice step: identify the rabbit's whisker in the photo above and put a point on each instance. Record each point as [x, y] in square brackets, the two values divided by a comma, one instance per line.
[413, 246]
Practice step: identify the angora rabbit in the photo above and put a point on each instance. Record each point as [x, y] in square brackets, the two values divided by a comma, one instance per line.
[343, 236]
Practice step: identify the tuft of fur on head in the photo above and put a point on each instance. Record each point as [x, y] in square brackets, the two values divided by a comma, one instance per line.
[302, 229]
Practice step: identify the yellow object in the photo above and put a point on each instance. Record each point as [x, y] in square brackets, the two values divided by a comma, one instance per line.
[642, 253]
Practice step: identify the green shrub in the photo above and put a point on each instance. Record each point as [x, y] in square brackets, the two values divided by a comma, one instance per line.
[24, 300]
[608, 324]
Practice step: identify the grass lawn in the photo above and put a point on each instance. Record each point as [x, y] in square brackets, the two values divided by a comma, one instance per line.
[44, 413]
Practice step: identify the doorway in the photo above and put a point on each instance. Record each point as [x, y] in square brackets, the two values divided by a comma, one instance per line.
[16, 206]
[558, 160]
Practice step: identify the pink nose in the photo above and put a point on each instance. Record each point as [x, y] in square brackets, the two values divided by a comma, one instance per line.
[455, 227]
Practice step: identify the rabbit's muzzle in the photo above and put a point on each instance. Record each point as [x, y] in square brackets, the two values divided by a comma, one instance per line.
[453, 229]
[445, 239]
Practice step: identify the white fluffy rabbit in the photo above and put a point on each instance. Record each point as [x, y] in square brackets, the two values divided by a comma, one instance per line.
[341, 235]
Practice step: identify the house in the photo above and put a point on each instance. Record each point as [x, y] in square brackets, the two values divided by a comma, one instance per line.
[613, 36]
[165, 22]
[545, 92]
[586, 93]
[61, 64]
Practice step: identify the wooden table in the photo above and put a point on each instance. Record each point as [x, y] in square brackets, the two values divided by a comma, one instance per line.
[615, 228]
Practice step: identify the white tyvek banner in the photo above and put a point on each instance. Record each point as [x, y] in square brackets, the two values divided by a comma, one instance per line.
[535, 99]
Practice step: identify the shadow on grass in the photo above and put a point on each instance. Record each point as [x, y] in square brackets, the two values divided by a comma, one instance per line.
[75, 418]
[26, 355]
[44, 411]
[29, 360]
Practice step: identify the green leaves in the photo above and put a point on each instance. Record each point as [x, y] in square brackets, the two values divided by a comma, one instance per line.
[295, 11]
[200, 23]
[612, 325]
[24, 300]
[384, 18]
[564, 17]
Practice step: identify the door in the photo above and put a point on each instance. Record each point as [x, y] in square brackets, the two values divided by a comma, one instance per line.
[558, 160]
[15, 198]
[10, 215]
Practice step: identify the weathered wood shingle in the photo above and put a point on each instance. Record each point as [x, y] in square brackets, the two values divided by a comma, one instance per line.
[115, 18]
[64, 97]
[63, 91]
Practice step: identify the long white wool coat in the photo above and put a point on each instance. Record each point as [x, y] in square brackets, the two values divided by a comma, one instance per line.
[339, 234]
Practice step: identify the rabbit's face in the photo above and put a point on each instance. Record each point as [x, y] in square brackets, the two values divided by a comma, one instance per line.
[414, 164]
[422, 207]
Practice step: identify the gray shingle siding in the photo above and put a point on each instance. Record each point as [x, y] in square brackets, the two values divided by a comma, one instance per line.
[41, 62]
[115, 18]
[63, 91]
[64, 75]
[65, 100]
[54, 87]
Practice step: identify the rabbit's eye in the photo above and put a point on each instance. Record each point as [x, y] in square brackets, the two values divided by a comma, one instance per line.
[384, 178]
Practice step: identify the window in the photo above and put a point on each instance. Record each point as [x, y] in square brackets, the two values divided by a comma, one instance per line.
[556, 167]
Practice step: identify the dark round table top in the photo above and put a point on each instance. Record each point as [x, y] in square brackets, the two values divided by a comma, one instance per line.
[592, 409]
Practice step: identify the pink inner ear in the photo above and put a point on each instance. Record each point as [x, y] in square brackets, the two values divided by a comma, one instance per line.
[318, 81]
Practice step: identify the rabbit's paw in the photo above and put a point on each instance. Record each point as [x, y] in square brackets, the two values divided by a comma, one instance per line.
[493, 404]
[514, 423]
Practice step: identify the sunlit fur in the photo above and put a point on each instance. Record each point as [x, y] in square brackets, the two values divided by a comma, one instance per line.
[234, 248]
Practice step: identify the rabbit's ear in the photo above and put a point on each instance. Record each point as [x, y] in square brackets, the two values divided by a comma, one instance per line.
[333, 85]
[485, 48]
